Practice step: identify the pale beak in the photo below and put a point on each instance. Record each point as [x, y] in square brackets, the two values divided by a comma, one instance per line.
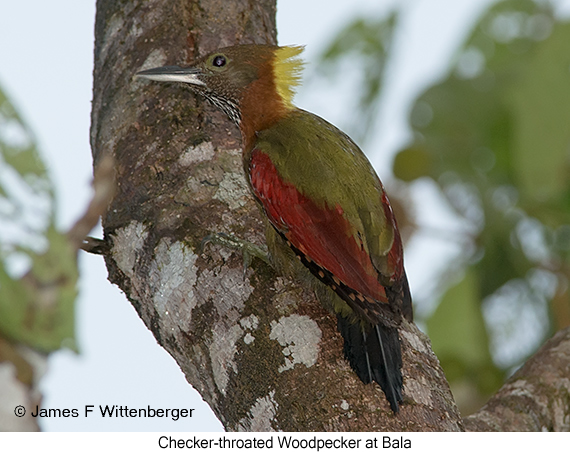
[173, 74]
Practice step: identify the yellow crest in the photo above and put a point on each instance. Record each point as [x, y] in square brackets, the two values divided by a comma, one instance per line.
[287, 67]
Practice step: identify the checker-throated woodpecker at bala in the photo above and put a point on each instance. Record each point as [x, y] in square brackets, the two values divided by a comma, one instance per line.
[324, 203]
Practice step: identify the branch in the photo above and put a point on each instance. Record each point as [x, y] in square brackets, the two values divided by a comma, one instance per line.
[103, 192]
[536, 398]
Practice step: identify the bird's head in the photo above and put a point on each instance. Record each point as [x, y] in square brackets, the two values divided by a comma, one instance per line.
[253, 84]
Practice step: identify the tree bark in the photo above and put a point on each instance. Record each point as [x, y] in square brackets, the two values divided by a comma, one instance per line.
[21, 369]
[536, 398]
[258, 347]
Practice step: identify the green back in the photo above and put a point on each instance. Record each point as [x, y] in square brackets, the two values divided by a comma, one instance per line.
[325, 165]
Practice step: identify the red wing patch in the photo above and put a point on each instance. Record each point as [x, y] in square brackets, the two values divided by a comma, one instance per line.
[320, 233]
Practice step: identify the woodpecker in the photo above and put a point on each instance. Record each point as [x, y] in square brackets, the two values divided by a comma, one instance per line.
[324, 203]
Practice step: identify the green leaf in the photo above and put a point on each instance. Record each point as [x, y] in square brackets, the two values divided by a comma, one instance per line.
[36, 304]
[539, 98]
[412, 163]
[495, 137]
[17, 145]
[504, 120]
[38, 309]
[459, 336]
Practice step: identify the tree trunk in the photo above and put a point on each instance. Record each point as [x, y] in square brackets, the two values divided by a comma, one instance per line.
[21, 368]
[258, 347]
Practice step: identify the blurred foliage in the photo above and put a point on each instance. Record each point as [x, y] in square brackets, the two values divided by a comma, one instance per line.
[367, 40]
[38, 268]
[494, 136]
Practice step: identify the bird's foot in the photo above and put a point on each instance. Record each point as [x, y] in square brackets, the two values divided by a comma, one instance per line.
[248, 250]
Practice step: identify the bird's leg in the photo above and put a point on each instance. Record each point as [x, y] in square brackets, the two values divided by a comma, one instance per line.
[248, 250]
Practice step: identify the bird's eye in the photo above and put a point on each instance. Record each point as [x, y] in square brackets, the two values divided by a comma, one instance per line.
[219, 61]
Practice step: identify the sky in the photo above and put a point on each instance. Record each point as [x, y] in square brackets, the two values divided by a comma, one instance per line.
[46, 62]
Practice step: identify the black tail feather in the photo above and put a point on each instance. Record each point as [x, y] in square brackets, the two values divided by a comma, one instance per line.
[375, 355]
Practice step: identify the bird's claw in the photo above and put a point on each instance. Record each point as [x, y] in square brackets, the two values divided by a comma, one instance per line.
[248, 249]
